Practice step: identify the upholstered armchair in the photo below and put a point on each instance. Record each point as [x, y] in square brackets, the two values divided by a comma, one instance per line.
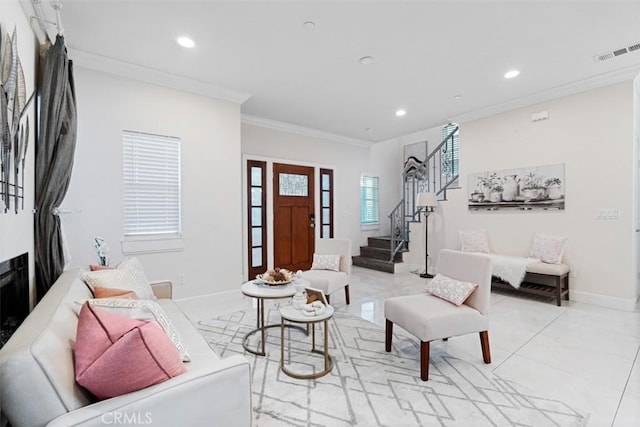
[331, 278]
[429, 317]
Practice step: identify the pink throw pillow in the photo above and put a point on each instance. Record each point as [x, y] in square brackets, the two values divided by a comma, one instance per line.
[115, 355]
[94, 267]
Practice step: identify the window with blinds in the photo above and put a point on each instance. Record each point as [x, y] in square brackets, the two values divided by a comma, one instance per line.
[151, 169]
[451, 150]
[369, 193]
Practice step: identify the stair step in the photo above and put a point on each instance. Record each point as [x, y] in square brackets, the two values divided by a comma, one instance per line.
[379, 253]
[374, 264]
[383, 242]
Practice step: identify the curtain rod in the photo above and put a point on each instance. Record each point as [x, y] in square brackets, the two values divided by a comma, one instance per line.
[42, 23]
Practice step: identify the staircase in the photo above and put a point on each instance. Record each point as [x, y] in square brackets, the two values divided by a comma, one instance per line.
[377, 255]
[435, 174]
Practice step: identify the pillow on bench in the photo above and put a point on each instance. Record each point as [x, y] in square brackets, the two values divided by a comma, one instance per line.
[548, 248]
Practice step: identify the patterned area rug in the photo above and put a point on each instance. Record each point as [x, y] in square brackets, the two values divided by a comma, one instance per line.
[370, 387]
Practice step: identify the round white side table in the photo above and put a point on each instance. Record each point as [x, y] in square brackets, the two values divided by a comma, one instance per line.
[293, 315]
[261, 292]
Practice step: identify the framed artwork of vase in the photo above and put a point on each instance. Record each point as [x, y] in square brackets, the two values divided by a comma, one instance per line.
[524, 189]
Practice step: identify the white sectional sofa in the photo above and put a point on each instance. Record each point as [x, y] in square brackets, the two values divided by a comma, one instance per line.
[37, 386]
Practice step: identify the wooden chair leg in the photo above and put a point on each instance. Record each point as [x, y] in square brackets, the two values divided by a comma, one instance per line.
[558, 291]
[424, 360]
[328, 299]
[566, 287]
[484, 342]
[388, 334]
[346, 294]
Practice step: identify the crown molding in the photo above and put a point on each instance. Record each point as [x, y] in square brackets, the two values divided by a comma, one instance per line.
[591, 83]
[301, 130]
[149, 75]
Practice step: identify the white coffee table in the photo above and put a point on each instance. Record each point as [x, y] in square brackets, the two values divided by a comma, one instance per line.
[261, 292]
[294, 315]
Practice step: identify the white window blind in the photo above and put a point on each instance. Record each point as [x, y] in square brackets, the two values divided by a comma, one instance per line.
[369, 200]
[451, 157]
[151, 168]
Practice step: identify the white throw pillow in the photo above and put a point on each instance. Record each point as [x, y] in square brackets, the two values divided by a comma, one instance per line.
[326, 262]
[141, 310]
[452, 290]
[128, 275]
[474, 241]
[548, 248]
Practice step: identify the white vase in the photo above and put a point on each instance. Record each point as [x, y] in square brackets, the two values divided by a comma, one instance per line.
[510, 188]
[496, 197]
[300, 298]
[554, 192]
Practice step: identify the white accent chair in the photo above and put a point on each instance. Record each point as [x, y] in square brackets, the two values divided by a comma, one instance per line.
[327, 280]
[429, 318]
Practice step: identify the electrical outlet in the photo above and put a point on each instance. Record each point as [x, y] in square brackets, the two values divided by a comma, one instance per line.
[573, 272]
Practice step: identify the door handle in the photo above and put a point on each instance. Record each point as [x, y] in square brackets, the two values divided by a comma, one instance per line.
[312, 220]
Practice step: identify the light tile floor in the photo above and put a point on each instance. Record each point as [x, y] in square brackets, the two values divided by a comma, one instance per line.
[583, 355]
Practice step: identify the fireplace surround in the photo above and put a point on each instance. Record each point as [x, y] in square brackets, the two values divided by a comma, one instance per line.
[14, 295]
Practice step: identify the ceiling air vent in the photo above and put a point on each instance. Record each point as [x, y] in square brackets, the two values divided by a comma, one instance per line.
[612, 54]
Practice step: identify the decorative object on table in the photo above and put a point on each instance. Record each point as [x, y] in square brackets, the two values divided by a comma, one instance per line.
[101, 250]
[14, 135]
[300, 298]
[426, 202]
[316, 308]
[276, 277]
[524, 189]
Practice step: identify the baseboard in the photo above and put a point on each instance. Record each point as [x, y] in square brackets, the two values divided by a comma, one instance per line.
[603, 300]
[229, 295]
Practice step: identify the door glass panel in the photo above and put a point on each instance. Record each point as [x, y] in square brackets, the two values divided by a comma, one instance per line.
[256, 177]
[326, 216]
[256, 197]
[256, 257]
[293, 185]
[326, 199]
[256, 216]
[326, 230]
[256, 236]
[326, 182]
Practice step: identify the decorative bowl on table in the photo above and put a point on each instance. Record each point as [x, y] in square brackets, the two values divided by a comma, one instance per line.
[275, 277]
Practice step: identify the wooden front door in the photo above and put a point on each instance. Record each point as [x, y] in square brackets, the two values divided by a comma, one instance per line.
[293, 216]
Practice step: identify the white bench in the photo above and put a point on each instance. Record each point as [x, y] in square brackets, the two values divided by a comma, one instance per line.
[542, 279]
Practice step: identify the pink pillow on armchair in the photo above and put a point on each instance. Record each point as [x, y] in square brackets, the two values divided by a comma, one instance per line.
[115, 355]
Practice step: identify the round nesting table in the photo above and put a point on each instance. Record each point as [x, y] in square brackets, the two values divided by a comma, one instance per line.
[294, 315]
[261, 292]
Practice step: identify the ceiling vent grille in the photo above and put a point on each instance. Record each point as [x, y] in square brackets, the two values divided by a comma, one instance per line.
[612, 54]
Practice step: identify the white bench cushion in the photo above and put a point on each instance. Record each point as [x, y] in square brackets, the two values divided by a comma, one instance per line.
[550, 269]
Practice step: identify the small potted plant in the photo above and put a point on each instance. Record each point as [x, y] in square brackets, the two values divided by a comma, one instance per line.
[554, 191]
[496, 193]
[533, 187]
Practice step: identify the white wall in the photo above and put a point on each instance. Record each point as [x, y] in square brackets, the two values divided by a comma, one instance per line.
[349, 162]
[16, 230]
[211, 178]
[592, 134]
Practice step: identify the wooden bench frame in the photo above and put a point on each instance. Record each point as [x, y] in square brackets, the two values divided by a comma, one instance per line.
[559, 289]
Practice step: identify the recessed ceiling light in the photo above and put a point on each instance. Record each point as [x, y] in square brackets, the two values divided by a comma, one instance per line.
[457, 97]
[511, 74]
[186, 42]
[400, 113]
[368, 130]
[309, 25]
[366, 60]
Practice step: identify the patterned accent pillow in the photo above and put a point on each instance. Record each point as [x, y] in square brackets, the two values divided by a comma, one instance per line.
[548, 248]
[128, 275]
[115, 355]
[326, 262]
[100, 292]
[474, 241]
[142, 310]
[452, 290]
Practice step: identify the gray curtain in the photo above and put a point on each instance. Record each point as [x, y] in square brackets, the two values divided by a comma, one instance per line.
[55, 149]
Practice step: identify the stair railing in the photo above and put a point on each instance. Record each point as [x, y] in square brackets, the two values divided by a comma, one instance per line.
[436, 173]
[399, 228]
